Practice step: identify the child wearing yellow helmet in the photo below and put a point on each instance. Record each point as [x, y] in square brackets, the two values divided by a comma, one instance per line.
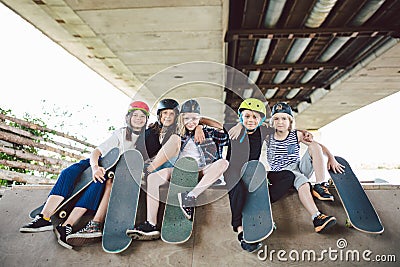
[252, 113]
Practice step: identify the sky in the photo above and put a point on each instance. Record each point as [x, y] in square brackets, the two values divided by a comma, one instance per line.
[40, 78]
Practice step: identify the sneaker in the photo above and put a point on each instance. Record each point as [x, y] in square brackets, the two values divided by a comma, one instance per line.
[93, 231]
[144, 231]
[62, 232]
[323, 222]
[38, 224]
[187, 204]
[249, 247]
[320, 191]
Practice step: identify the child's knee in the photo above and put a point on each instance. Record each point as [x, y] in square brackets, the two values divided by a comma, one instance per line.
[175, 139]
[223, 164]
[314, 147]
[154, 180]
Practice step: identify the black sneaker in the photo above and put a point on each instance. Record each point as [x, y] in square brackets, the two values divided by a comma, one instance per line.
[320, 191]
[144, 231]
[249, 247]
[187, 204]
[323, 222]
[62, 232]
[38, 224]
[93, 231]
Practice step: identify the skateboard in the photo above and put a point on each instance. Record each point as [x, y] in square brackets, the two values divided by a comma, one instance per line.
[257, 214]
[360, 212]
[64, 209]
[122, 206]
[176, 228]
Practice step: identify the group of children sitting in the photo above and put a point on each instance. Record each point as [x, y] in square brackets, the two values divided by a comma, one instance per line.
[180, 131]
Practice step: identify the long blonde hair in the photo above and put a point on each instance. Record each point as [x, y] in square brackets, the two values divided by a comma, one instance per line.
[180, 128]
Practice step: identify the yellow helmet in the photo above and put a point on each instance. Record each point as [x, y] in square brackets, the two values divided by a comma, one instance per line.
[254, 105]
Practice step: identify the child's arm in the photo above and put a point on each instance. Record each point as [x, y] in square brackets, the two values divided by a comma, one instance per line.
[307, 137]
[199, 136]
[98, 172]
[234, 132]
[211, 122]
[333, 165]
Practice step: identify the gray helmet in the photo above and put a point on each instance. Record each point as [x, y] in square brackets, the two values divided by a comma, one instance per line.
[190, 106]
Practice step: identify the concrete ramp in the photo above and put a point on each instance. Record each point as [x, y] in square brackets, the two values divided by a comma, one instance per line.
[213, 243]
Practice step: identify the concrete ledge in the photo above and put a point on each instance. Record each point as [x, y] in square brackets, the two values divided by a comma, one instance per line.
[213, 242]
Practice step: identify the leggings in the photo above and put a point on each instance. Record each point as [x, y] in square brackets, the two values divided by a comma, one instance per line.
[280, 183]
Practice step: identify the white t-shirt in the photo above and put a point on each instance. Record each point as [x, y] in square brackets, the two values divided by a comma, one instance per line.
[117, 139]
[191, 150]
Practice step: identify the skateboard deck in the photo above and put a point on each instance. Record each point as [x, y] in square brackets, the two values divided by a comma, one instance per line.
[65, 208]
[358, 207]
[176, 228]
[257, 214]
[122, 206]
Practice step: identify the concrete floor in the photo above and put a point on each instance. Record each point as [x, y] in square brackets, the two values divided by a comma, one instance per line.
[213, 243]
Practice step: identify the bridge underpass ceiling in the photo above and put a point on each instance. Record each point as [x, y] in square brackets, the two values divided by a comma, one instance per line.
[126, 42]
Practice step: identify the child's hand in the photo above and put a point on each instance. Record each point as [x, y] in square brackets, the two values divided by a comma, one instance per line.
[199, 136]
[335, 166]
[98, 174]
[234, 132]
[308, 138]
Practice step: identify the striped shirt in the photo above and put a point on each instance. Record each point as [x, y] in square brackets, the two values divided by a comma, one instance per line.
[282, 153]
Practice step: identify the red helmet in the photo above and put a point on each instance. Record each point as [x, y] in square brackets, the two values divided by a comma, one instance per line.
[139, 105]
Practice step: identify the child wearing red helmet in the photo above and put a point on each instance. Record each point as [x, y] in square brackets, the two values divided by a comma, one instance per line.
[129, 137]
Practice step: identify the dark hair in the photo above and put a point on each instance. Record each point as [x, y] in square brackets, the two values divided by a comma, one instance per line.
[129, 129]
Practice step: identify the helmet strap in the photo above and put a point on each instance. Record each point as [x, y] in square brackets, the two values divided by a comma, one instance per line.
[246, 131]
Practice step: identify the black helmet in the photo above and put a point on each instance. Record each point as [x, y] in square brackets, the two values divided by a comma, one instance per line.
[190, 106]
[282, 108]
[167, 103]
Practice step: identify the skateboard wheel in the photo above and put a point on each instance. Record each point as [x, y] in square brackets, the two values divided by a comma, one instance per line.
[62, 214]
[110, 175]
[330, 182]
[348, 223]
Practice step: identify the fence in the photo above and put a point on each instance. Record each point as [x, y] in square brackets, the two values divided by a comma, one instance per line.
[34, 154]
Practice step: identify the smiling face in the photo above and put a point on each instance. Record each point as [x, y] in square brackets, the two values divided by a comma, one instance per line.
[190, 120]
[167, 117]
[251, 119]
[138, 119]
